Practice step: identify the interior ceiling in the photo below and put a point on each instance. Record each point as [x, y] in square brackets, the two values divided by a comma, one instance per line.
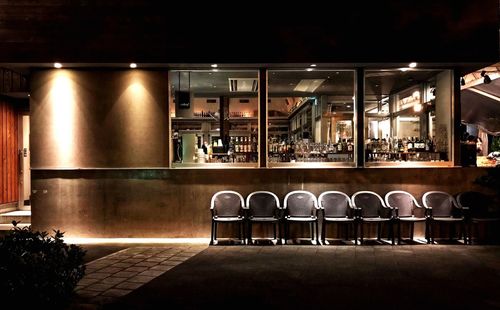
[282, 83]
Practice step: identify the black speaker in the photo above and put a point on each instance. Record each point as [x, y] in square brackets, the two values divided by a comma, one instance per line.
[183, 98]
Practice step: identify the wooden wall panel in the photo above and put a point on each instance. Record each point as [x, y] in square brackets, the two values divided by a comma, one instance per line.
[9, 190]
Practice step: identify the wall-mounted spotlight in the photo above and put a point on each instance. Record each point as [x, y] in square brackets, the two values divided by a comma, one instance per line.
[133, 65]
[462, 81]
[487, 79]
[57, 65]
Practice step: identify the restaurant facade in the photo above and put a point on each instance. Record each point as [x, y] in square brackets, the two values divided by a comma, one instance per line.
[133, 128]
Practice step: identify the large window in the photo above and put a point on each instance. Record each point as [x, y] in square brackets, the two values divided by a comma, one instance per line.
[408, 116]
[310, 117]
[214, 118]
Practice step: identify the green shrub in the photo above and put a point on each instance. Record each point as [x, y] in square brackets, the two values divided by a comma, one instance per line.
[38, 269]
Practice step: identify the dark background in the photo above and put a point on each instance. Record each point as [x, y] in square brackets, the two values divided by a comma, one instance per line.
[249, 31]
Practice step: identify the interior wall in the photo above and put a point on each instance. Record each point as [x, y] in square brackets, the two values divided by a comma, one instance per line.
[86, 119]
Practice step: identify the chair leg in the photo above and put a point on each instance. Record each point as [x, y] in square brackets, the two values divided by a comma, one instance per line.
[317, 231]
[311, 232]
[361, 231]
[355, 224]
[285, 228]
[399, 232]
[212, 233]
[323, 232]
[391, 225]
[215, 231]
[462, 228]
[274, 230]
[249, 232]
[279, 232]
[379, 225]
[412, 230]
[346, 231]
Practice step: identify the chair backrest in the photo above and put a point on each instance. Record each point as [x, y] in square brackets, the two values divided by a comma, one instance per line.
[442, 203]
[370, 203]
[300, 204]
[263, 204]
[478, 204]
[335, 204]
[403, 201]
[227, 203]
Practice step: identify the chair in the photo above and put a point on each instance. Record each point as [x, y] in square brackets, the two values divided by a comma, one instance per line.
[443, 208]
[301, 207]
[227, 207]
[407, 210]
[478, 209]
[371, 209]
[337, 208]
[263, 207]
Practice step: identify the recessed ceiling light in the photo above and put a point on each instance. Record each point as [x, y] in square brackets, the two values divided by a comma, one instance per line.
[57, 65]
[133, 65]
[213, 65]
[412, 64]
[404, 69]
[309, 69]
[215, 70]
[313, 65]
[348, 106]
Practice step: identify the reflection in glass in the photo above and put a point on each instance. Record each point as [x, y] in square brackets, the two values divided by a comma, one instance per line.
[407, 115]
[310, 116]
[214, 117]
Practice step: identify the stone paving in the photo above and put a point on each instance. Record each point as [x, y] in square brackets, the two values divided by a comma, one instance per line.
[120, 273]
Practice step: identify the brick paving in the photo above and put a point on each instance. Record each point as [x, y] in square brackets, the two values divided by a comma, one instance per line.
[118, 274]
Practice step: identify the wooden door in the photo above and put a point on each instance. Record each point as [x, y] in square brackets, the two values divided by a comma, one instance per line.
[9, 164]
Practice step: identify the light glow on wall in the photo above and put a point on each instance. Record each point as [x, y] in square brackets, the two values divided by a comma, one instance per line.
[63, 105]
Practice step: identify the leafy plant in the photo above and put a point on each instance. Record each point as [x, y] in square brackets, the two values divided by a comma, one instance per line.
[495, 144]
[38, 269]
[490, 180]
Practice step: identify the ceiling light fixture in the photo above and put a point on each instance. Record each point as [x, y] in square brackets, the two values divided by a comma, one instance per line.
[57, 65]
[213, 65]
[309, 69]
[412, 64]
[133, 65]
[404, 69]
[313, 65]
[487, 79]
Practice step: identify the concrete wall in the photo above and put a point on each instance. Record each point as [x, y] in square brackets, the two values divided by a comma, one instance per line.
[175, 203]
[104, 121]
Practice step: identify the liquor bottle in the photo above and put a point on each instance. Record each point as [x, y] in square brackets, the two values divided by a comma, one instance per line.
[349, 145]
[339, 146]
[410, 144]
[400, 146]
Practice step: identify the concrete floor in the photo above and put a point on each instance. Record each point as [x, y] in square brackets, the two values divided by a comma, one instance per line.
[295, 276]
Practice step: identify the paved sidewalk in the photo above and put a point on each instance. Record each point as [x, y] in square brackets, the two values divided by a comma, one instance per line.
[120, 273]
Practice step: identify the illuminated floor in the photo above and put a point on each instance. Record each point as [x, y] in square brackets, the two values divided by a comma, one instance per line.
[327, 277]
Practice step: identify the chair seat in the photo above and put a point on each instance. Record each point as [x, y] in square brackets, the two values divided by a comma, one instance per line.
[375, 219]
[411, 219]
[263, 219]
[339, 219]
[301, 219]
[447, 219]
[228, 218]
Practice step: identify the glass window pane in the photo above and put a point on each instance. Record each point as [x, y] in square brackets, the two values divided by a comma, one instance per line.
[214, 118]
[310, 117]
[408, 116]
